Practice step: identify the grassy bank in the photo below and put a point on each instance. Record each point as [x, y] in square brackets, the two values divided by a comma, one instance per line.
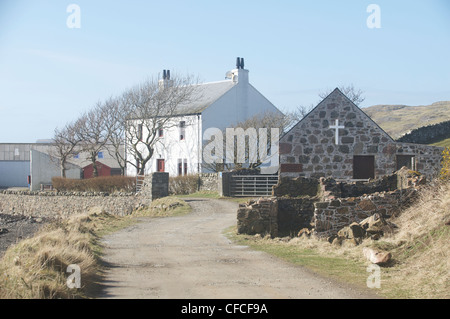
[36, 268]
[420, 264]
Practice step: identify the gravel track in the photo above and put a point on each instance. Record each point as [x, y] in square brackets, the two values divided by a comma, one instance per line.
[189, 257]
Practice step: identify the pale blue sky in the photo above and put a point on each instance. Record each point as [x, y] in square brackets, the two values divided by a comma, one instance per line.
[293, 49]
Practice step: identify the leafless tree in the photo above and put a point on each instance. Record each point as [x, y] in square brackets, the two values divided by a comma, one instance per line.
[267, 120]
[93, 133]
[152, 106]
[115, 124]
[355, 95]
[66, 141]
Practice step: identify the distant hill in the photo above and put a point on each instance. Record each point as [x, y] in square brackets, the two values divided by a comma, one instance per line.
[398, 120]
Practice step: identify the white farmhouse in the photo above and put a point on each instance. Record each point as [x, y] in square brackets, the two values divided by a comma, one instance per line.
[221, 104]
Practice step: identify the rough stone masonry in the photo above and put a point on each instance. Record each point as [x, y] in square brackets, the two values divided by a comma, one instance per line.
[337, 139]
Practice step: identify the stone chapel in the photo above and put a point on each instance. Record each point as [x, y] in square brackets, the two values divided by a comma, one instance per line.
[338, 140]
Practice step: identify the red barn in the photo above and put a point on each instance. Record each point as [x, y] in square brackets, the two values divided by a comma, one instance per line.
[102, 169]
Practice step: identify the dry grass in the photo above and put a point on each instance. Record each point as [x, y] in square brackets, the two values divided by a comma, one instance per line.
[421, 246]
[36, 268]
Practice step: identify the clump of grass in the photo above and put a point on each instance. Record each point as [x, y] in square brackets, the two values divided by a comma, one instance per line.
[164, 207]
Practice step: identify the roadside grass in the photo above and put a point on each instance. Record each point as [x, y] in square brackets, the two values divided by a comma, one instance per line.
[199, 194]
[36, 268]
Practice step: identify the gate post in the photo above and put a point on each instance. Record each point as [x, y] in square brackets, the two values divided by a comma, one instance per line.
[224, 181]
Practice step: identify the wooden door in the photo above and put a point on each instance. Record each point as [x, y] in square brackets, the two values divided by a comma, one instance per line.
[363, 167]
[161, 166]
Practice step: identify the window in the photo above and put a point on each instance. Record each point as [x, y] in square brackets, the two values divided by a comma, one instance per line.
[182, 130]
[100, 154]
[180, 168]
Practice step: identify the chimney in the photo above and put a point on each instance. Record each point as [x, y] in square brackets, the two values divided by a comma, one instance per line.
[239, 75]
[165, 82]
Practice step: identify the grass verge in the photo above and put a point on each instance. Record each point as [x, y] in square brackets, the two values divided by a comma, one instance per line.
[36, 268]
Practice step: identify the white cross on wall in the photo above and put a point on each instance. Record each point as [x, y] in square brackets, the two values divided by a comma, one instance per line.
[336, 126]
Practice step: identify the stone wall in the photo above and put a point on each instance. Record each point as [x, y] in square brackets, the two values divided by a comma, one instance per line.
[258, 217]
[428, 134]
[275, 217]
[294, 214]
[63, 204]
[209, 182]
[326, 205]
[332, 215]
[330, 188]
[52, 204]
[295, 187]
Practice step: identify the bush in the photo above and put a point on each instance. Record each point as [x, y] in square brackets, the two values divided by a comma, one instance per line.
[183, 185]
[106, 184]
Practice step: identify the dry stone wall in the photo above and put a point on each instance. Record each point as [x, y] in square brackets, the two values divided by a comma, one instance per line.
[63, 204]
[328, 205]
[332, 215]
[258, 217]
[53, 205]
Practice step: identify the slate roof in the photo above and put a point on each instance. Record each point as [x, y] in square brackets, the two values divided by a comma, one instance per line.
[206, 94]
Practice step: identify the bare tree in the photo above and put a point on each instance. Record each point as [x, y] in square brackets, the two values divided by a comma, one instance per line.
[66, 142]
[152, 107]
[115, 124]
[267, 120]
[93, 133]
[355, 95]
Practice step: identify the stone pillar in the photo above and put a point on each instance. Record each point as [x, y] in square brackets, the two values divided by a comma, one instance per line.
[156, 185]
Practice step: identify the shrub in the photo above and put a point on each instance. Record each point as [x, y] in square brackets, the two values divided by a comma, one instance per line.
[107, 184]
[183, 185]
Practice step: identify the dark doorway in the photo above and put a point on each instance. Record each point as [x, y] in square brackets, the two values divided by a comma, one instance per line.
[406, 160]
[363, 167]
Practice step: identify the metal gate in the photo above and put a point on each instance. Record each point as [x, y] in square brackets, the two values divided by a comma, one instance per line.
[139, 182]
[252, 185]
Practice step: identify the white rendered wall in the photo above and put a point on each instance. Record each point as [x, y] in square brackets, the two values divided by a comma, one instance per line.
[171, 149]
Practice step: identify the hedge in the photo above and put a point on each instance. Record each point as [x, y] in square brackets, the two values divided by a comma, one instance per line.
[107, 184]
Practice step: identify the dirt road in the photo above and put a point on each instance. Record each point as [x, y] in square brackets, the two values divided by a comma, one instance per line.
[189, 257]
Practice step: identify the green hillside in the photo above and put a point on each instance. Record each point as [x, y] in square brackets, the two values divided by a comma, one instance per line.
[444, 143]
[397, 120]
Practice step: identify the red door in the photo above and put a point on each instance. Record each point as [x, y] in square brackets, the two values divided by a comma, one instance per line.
[160, 167]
